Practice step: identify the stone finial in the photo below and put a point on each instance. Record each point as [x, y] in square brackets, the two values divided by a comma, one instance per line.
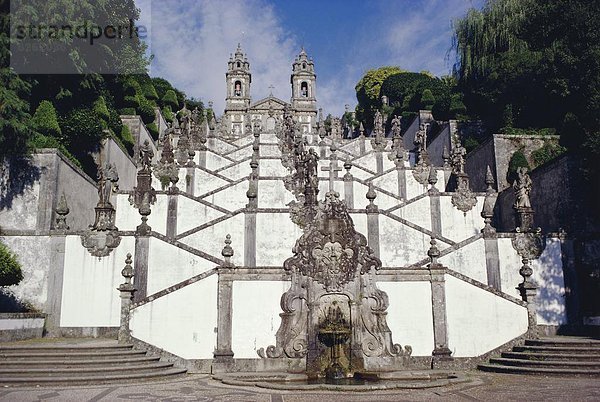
[361, 130]
[62, 210]
[348, 166]
[127, 271]
[446, 157]
[433, 253]
[489, 180]
[227, 252]
[432, 179]
[371, 195]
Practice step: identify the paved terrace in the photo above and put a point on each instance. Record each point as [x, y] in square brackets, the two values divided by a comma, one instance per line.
[484, 387]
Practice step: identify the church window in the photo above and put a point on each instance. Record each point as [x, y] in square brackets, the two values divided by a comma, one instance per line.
[304, 66]
[237, 91]
[239, 64]
[304, 90]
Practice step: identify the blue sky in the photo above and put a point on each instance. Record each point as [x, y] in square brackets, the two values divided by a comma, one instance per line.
[191, 41]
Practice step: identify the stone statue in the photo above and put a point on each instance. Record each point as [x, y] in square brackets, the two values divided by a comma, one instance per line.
[522, 187]
[421, 137]
[458, 159]
[146, 155]
[312, 165]
[108, 178]
[396, 127]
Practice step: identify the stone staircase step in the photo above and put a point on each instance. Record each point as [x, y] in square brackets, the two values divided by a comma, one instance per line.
[65, 371]
[559, 349]
[71, 355]
[546, 363]
[538, 370]
[79, 362]
[120, 360]
[550, 356]
[563, 341]
[92, 379]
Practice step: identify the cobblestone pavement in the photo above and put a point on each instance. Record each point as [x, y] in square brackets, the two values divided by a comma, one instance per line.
[484, 387]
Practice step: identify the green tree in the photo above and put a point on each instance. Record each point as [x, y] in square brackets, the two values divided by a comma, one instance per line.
[170, 99]
[45, 120]
[427, 99]
[368, 93]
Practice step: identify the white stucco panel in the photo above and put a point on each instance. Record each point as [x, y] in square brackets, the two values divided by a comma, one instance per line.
[456, 225]
[204, 182]
[409, 315]
[183, 322]
[548, 272]
[90, 297]
[468, 260]
[276, 235]
[191, 214]
[231, 198]
[255, 316]
[272, 194]
[417, 212]
[400, 245]
[480, 321]
[509, 263]
[168, 265]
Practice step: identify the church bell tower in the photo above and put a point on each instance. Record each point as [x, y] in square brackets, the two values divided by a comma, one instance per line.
[304, 100]
[238, 79]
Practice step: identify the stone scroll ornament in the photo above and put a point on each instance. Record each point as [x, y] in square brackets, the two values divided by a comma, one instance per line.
[463, 198]
[332, 259]
[166, 169]
[102, 236]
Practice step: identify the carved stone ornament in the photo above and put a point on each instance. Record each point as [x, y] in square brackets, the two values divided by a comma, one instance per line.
[144, 195]
[463, 198]
[102, 236]
[333, 269]
[378, 143]
[62, 210]
[421, 172]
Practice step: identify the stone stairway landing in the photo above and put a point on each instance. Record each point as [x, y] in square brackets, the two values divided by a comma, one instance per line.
[78, 362]
[561, 355]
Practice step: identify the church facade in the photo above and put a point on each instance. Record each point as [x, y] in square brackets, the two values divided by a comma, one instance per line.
[241, 114]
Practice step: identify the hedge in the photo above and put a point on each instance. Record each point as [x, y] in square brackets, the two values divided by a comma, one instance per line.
[10, 268]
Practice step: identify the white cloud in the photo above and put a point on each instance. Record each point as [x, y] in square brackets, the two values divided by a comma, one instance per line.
[192, 42]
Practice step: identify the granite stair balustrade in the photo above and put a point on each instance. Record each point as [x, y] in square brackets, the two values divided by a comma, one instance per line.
[79, 363]
[561, 355]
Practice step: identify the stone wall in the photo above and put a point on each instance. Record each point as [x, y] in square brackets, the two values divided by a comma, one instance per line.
[123, 162]
[496, 151]
[435, 148]
[52, 175]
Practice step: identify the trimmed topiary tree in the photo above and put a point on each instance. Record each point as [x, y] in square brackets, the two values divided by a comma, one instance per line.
[153, 131]
[457, 107]
[10, 268]
[427, 99]
[45, 120]
[170, 99]
[102, 111]
[517, 160]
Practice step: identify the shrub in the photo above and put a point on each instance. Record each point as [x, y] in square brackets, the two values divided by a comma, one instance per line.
[133, 94]
[546, 153]
[39, 141]
[148, 89]
[146, 112]
[101, 109]
[427, 99]
[83, 129]
[471, 143]
[457, 107]
[128, 111]
[170, 99]
[167, 114]
[153, 131]
[517, 160]
[127, 139]
[10, 269]
[45, 120]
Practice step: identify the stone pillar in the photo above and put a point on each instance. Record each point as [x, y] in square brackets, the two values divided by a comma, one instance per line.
[492, 258]
[172, 215]
[348, 186]
[223, 354]
[202, 158]
[140, 280]
[401, 180]
[250, 238]
[441, 353]
[379, 161]
[434, 203]
[126, 290]
[190, 178]
[372, 221]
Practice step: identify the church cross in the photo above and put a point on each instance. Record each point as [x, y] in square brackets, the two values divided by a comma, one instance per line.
[271, 87]
[333, 170]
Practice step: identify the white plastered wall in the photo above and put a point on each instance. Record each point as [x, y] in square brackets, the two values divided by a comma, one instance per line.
[409, 315]
[183, 322]
[480, 321]
[90, 297]
[168, 265]
[255, 316]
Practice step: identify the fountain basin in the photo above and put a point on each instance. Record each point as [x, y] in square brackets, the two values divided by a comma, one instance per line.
[368, 381]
